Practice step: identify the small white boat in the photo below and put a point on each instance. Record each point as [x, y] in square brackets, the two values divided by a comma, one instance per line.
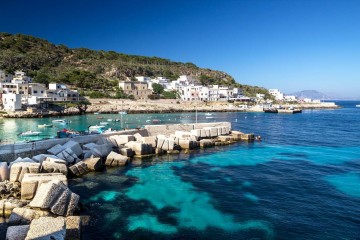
[209, 117]
[156, 120]
[109, 120]
[60, 121]
[208, 114]
[29, 133]
[358, 105]
[96, 113]
[96, 129]
[45, 125]
[104, 123]
[123, 113]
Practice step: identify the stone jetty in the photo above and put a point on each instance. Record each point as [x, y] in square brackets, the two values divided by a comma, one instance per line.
[35, 198]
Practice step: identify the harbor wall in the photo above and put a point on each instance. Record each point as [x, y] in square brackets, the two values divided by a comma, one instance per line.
[10, 152]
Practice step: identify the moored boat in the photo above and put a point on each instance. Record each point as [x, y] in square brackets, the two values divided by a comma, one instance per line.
[123, 113]
[61, 121]
[156, 120]
[104, 123]
[271, 110]
[30, 133]
[358, 105]
[96, 129]
[45, 125]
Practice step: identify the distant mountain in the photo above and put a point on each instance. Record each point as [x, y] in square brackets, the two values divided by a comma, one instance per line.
[313, 94]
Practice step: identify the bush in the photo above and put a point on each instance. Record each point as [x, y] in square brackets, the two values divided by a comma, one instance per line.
[154, 96]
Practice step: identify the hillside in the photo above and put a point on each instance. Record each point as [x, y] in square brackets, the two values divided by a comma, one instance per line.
[90, 69]
[313, 94]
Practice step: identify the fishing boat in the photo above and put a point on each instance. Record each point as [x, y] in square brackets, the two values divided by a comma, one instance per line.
[96, 129]
[209, 117]
[45, 125]
[123, 113]
[61, 121]
[208, 114]
[109, 120]
[104, 123]
[271, 110]
[156, 120]
[30, 133]
[96, 113]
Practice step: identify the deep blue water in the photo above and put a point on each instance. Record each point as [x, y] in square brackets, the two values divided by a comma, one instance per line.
[301, 182]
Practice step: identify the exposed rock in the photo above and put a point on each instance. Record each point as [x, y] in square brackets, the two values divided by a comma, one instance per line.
[73, 228]
[24, 216]
[93, 163]
[31, 182]
[115, 160]
[47, 228]
[7, 205]
[9, 189]
[17, 232]
[56, 197]
[50, 166]
[79, 169]
[4, 171]
[18, 170]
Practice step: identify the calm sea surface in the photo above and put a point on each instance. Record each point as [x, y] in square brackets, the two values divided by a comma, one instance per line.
[301, 182]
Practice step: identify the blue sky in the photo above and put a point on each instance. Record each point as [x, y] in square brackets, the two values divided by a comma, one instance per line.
[286, 44]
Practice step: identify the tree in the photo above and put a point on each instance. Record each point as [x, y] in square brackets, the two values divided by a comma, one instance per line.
[42, 78]
[157, 88]
[170, 95]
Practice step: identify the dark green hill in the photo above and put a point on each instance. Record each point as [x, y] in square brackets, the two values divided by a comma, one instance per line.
[85, 68]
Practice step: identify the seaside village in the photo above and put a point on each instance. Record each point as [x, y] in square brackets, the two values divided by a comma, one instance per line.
[19, 92]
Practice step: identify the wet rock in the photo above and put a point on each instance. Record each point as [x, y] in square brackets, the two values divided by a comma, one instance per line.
[56, 197]
[4, 171]
[17, 232]
[24, 216]
[31, 182]
[93, 163]
[18, 170]
[116, 160]
[73, 228]
[48, 228]
[79, 169]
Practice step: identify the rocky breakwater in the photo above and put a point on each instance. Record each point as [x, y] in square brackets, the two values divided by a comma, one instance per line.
[36, 200]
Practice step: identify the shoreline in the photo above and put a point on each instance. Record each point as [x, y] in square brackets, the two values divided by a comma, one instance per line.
[111, 106]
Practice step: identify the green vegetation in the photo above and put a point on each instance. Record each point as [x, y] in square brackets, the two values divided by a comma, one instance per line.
[157, 88]
[170, 95]
[93, 70]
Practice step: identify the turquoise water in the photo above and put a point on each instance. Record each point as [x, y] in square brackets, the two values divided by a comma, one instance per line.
[301, 182]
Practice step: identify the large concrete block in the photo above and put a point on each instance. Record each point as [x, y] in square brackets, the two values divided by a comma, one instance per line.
[224, 138]
[182, 134]
[79, 169]
[56, 197]
[74, 146]
[17, 232]
[23, 216]
[102, 150]
[211, 131]
[94, 164]
[7, 206]
[118, 140]
[160, 143]
[89, 146]
[196, 133]
[115, 160]
[18, 170]
[73, 228]
[47, 228]
[31, 182]
[55, 150]
[204, 143]
[236, 134]
[68, 155]
[140, 148]
[4, 171]
[41, 157]
[149, 140]
[127, 152]
[49, 166]
[248, 137]
[187, 144]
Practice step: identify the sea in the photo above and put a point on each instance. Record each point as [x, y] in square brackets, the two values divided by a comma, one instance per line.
[302, 181]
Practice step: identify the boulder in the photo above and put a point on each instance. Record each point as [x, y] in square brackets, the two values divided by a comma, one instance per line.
[55, 150]
[31, 182]
[68, 155]
[4, 171]
[18, 170]
[114, 160]
[93, 163]
[49, 166]
[73, 228]
[47, 228]
[79, 169]
[74, 146]
[17, 232]
[24, 216]
[56, 197]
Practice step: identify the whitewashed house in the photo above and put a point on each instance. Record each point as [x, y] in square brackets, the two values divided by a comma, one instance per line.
[277, 94]
[20, 77]
[143, 79]
[4, 77]
[290, 98]
[11, 102]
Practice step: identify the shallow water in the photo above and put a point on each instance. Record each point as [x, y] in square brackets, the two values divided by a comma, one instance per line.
[301, 182]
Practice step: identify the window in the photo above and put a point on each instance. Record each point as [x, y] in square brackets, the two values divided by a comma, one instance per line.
[42, 91]
[35, 91]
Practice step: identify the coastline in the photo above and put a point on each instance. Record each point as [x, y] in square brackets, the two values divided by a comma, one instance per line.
[108, 106]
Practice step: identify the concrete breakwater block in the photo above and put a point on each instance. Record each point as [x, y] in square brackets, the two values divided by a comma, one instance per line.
[211, 131]
[75, 147]
[24, 216]
[79, 169]
[18, 170]
[248, 137]
[73, 228]
[93, 163]
[41, 157]
[19, 160]
[224, 138]
[140, 148]
[149, 140]
[118, 140]
[55, 150]
[17, 232]
[127, 152]
[7, 206]
[31, 182]
[68, 155]
[116, 160]
[54, 166]
[187, 144]
[89, 146]
[47, 228]
[236, 134]
[204, 143]
[102, 150]
[165, 144]
[56, 197]
[4, 171]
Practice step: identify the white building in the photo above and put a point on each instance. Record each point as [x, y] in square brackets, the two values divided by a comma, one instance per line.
[20, 77]
[194, 93]
[4, 77]
[11, 102]
[143, 79]
[260, 96]
[277, 94]
[290, 98]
